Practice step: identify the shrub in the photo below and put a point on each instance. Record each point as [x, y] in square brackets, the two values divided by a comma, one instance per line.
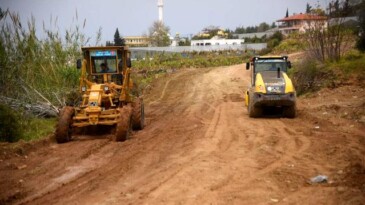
[9, 124]
[311, 76]
[290, 45]
[353, 55]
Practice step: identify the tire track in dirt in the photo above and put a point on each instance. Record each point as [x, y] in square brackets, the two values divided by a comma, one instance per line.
[199, 147]
[94, 158]
[208, 149]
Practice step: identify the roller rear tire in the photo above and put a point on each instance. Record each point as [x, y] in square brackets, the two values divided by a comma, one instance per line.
[290, 111]
[253, 111]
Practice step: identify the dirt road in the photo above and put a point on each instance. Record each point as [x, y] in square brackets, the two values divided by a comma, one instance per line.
[200, 147]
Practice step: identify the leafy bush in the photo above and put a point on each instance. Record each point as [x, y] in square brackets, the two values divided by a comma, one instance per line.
[9, 125]
[310, 76]
[290, 45]
[353, 55]
[272, 42]
[16, 125]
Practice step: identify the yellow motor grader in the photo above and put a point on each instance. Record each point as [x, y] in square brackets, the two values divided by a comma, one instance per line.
[270, 86]
[105, 87]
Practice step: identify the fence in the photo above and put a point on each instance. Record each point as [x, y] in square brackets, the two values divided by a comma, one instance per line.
[140, 52]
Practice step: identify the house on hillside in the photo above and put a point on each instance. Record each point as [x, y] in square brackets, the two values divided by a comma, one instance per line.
[301, 23]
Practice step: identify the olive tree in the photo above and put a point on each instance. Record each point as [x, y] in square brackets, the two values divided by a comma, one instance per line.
[328, 40]
[158, 34]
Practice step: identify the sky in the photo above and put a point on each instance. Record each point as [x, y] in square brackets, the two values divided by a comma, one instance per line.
[134, 17]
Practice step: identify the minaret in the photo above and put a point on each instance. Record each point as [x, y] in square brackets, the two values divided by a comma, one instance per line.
[160, 10]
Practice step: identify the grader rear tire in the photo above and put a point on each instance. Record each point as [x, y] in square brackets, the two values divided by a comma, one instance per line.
[123, 126]
[63, 127]
[138, 114]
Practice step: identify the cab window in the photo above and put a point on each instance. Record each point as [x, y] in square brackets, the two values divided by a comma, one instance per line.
[103, 62]
[272, 65]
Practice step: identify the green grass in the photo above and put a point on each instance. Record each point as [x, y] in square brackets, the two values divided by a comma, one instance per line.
[289, 45]
[38, 128]
[16, 125]
[196, 60]
[353, 63]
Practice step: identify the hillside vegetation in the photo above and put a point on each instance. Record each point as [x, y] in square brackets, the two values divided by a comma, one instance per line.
[309, 75]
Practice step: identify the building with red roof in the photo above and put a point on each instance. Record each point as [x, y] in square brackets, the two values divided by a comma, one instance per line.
[301, 23]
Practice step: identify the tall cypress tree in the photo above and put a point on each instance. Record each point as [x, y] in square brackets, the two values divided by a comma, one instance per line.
[118, 41]
[287, 13]
[308, 9]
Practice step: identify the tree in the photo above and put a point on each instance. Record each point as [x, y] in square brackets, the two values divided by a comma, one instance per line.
[328, 44]
[263, 27]
[361, 41]
[108, 43]
[159, 34]
[240, 30]
[318, 10]
[308, 9]
[184, 42]
[346, 9]
[287, 13]
[273, 25]
[3, 13]
[118, 41]
[211, 30]
[336, 5]
[341, 8]
[229, 34]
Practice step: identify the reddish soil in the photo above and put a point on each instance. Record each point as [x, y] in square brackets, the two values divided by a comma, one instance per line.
[200, 147]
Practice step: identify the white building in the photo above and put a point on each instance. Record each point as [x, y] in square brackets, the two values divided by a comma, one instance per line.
[217, 42]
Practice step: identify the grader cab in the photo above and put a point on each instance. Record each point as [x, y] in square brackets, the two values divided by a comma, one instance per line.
[105, 88]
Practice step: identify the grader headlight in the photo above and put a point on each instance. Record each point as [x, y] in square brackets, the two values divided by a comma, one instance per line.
[93, 104]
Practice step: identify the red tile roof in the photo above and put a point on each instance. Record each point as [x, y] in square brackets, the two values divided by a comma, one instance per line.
[303, 17]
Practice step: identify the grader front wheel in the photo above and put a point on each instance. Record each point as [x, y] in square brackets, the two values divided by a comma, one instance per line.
[63, 127]
[138, 114]
[124, 125]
